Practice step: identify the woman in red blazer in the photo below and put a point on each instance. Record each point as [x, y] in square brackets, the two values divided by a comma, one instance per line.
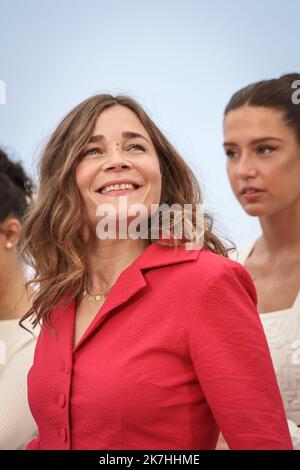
[145, 344]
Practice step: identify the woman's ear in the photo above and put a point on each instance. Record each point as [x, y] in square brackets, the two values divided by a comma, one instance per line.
[11, 228]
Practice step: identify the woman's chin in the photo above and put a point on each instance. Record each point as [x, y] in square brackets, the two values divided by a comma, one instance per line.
[254, 211]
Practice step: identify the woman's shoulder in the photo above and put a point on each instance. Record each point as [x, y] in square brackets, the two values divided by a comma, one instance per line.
[26, 335]
[33, 331]
[186, 261]
[243, 251]
[215, 264]
[220, 279]
[214, 270]
[19, 341]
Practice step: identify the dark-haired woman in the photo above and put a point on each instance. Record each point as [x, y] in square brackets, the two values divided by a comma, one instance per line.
[145, 344]
[16, 344]
[262, 143]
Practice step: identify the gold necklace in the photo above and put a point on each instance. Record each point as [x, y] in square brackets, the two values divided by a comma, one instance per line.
[93, 298]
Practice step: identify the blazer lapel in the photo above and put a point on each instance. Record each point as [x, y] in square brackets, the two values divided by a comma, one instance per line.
[130, 282]
[157, 255]
[63, 316]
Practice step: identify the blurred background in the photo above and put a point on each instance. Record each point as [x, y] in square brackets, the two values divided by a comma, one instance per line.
[182, 60]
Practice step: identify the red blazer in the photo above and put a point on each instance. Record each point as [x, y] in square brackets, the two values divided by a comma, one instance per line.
[176, 353]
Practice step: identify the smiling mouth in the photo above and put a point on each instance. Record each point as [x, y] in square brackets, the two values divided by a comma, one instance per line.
[118, 192]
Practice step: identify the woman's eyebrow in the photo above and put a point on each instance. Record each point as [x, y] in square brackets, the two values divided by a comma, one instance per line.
[134, 135]
[229, 144]
[126, 134]
[255, 141]
[263, 139]
[96, 138]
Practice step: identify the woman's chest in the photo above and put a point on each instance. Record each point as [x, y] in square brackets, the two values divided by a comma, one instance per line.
[133, 365]
[84, 315]
[275, 295]
[277, 287]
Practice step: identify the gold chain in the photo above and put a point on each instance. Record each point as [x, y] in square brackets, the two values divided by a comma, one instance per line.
[93, 298]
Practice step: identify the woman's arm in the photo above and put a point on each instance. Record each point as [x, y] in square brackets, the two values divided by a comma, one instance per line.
[16, 422]
[233, 363]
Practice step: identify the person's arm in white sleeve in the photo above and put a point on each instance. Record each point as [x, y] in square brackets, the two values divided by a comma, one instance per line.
[17, 425]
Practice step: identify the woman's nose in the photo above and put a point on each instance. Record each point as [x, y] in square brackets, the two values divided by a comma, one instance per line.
[246, 168]
[116, 161]
[116, 165]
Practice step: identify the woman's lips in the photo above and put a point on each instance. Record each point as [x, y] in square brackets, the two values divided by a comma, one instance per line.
[119, 192]
[253, 196]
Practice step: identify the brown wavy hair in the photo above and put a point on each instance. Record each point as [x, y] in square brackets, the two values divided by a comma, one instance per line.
[52, 242]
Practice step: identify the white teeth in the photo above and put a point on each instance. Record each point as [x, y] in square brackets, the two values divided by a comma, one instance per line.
[117, 187]
[249, 191]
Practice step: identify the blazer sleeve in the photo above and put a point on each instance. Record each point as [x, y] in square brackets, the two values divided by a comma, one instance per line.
[34, 444]
[232, 361]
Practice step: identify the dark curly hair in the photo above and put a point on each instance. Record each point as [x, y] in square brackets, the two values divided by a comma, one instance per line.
[15, 188]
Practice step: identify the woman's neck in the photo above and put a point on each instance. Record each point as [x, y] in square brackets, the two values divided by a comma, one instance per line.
[108, 258]
[14, 300]
[281, 231]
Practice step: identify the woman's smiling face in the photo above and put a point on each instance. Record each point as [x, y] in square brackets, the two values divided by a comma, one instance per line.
[120, 152]
[263, 159]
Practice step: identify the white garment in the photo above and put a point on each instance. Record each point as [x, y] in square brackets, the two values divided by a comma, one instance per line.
[282, 330]
[17, 345]
[29, 274]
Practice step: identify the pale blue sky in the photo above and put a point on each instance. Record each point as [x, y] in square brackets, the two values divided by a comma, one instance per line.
[180, 59]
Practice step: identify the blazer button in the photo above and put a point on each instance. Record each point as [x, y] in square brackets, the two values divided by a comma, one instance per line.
[62, 400]
[63, 435]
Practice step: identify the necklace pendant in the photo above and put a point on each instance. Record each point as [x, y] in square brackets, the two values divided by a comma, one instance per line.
[93, 298]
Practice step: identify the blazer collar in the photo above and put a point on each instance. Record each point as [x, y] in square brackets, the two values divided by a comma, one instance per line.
[156, 255]
[131, 283]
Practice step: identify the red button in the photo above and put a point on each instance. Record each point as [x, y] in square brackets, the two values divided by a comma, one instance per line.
[62, 400]
[63, 435]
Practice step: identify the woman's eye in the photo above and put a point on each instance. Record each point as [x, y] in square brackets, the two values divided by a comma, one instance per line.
[265, 149]
[92, 151]
[136, 147]
[231, 153]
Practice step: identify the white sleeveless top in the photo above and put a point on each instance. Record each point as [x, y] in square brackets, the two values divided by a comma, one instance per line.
[282, 330]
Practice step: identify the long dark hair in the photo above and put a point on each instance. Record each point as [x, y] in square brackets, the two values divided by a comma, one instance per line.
[15, 188]
[275, 93]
